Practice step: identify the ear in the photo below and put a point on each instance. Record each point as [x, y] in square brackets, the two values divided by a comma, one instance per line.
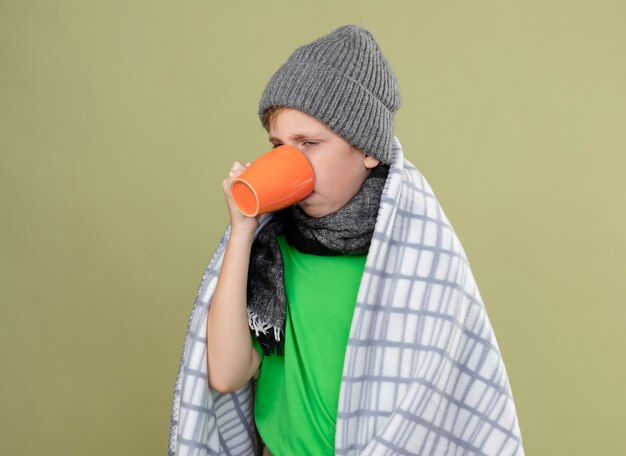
[370, 162]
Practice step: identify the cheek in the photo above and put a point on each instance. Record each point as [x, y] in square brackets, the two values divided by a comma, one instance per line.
[336, 179]
[328, 176]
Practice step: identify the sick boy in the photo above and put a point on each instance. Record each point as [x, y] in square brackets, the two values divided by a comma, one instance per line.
[334, 100]
[353, 311]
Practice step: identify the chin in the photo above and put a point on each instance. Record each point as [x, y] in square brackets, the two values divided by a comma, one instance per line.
[313, 211]
[308, 209]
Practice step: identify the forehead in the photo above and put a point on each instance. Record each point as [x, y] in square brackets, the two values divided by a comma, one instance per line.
[290, 121]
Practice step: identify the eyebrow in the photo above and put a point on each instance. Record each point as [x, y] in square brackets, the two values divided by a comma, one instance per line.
[296, 137]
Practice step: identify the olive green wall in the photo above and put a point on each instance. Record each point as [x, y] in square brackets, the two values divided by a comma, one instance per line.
[119, 120]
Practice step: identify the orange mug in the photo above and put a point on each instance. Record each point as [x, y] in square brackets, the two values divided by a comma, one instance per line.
[277, 179]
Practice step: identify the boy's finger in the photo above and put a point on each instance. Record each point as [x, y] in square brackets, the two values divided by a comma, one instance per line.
[237, 165]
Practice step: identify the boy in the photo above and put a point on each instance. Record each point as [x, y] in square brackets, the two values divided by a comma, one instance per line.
[355, 308]
[340, 171]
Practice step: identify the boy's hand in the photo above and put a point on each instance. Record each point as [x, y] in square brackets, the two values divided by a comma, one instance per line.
[240, 223]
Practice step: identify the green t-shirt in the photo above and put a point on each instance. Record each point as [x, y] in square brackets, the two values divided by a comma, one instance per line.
[295, 405]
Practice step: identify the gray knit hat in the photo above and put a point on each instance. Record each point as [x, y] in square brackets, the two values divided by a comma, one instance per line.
[343, 80]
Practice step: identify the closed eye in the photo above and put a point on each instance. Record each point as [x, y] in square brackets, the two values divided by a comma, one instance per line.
[308, 143]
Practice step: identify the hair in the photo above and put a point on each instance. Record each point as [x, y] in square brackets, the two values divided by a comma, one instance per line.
[270, 115]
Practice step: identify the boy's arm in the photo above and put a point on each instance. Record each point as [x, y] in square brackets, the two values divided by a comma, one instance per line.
[232, 359]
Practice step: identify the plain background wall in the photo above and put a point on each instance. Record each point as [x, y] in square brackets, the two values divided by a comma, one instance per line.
[120, 119]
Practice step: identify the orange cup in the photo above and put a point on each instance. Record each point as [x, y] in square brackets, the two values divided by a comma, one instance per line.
[277, 179]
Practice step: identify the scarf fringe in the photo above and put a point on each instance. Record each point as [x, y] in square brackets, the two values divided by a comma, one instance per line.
[254, 322]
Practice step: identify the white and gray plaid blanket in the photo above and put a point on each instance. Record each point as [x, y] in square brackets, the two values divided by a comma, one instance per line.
[423, 373]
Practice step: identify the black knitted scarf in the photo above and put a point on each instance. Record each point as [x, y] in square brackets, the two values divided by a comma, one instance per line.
[347, 231]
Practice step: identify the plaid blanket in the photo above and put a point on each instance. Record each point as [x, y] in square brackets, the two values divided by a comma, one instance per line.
[423, 373]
